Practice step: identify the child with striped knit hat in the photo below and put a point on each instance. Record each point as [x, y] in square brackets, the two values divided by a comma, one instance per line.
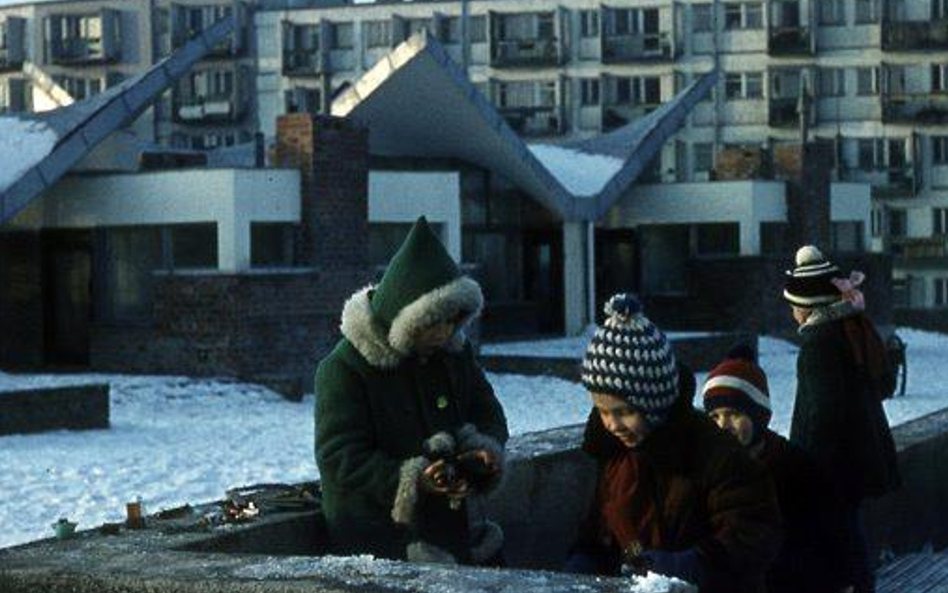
[737, 399]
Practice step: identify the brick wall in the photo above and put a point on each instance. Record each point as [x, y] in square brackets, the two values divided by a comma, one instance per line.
[332, 155]
[21, 301]
[270, 328]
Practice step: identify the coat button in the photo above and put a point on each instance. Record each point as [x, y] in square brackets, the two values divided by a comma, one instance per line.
[442, 402]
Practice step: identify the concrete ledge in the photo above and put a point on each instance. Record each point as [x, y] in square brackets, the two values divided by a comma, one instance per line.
[80, 407]
[701, 353]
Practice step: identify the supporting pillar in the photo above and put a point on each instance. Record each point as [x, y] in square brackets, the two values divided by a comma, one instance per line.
[575, 300]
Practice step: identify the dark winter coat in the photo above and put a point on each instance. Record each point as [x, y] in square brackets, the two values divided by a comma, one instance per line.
[704, 492]
[377, 401]
[838, 416]
[810, 557]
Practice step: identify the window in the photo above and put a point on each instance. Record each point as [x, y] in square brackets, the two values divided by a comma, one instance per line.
[377, 33]
[832, 82]
[745, 15]
[940, 221]
[867, 81]
[623, 90]
[133, 253]
[870, 154]
[773, 238]
[342, 36]
[832, 13]
[846, 236]
[589, 91]
[702, 18]
[876, 220]
[939, 10]
[940, 150]
[867, 11]
[704, 156]
[897, 223]
[545, 27]
[302, 100]
[194, 245]
[79, 88]
[450, 30]
[718, 238]
[271, 245]
[941, 291]
[939, 78]
[478, 26]
[589, 23]
[747, 85]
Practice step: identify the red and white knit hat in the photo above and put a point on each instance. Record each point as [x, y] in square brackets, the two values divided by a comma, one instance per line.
[739, 383]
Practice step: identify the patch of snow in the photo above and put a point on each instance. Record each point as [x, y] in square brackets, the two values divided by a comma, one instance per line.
[583, 174]
[657, 583]
[25, 143]
[176, 439]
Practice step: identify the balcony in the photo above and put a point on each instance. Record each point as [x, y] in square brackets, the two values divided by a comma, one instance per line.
[641, 47]
[915, 35]
[784, 112]
[209, 109]
[790, 41]
[525, 52]
[189, 21]
[533, 122]
[304, 63]
[887, 183]
[918, 248]
[12, 43]
[79, 50]
[923, 108]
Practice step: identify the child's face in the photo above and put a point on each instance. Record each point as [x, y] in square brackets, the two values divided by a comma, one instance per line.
[622, 420]
[735, 422]
[434, 337]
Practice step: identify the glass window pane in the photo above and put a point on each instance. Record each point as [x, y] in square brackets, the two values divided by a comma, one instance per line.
[194, 245]
[133, 254]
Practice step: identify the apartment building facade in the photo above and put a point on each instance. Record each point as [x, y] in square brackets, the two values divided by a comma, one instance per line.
[869, 75]
[86, 46]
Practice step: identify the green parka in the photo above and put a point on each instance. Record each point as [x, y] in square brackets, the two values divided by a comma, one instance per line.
[378, 401]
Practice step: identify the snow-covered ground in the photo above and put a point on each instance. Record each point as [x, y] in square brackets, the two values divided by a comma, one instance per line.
[176, 440]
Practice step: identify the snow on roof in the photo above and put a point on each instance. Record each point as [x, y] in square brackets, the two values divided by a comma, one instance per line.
[583, 174]
[25, 143]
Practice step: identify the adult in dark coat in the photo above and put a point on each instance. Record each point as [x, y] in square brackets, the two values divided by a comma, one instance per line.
[675, 495]
[736, 396]
[842, 377]
[401, 390]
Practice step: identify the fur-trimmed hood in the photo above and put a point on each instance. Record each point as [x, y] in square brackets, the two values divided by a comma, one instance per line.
[826, 314]
[386, 349]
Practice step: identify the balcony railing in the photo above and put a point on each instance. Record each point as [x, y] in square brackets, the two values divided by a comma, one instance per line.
[76, 50]
[918, 247]
[206, 109]
[636, 48]
[303, 63]
[784, 112]
[886, 182]
[525, 52]
[790, 41]
[915, 35]
[926, 108]
[536, 121]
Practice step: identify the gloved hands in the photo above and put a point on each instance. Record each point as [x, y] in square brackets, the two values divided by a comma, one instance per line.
[684, 564]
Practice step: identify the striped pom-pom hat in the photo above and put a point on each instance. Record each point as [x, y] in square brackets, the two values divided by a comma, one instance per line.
[739, 383]
[810, 283]
[630, 358]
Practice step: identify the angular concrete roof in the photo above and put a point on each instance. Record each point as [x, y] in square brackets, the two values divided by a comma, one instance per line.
[42, 147]
[417, 102]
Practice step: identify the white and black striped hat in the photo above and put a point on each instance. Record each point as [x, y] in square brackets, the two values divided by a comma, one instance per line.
[810, 283]
[631, 359]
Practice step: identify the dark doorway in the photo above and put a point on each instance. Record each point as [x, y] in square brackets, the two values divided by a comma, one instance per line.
[617, 265]
[67, 296]
[543, 277]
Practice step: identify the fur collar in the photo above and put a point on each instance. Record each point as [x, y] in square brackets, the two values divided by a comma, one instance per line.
[823, 315]
[386, 350]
